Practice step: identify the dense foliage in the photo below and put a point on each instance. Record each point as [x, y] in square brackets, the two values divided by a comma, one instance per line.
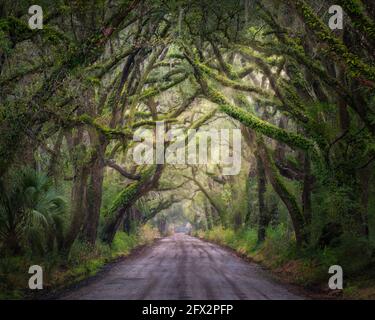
[73, 94]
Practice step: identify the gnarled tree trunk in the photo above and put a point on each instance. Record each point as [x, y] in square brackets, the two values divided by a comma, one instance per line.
[126, 199]
[288, 199]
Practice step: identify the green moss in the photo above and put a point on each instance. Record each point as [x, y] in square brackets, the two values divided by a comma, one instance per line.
[293, 48]
[151, 122]
[290, 100]
[154, 91]
[335, 46]
[130, 192]
[124, 197]
[285, 195]
[358, 15]
[20, 31]
[143, 114]
[290, 138]
[231, 83]
[197, 124]
[107, 132]
[93, 81]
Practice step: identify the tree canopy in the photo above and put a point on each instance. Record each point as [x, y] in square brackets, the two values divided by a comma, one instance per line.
[73, 94]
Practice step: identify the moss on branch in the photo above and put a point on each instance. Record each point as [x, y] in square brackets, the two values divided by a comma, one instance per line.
[336, 47]
[233, 84]
[109, 133]
[292, 139]
[356, 10]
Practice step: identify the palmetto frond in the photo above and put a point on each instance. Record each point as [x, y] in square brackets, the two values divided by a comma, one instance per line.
[30, 208]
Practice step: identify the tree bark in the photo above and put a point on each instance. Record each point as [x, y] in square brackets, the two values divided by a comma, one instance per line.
[287, 198]
[306, 193]
[365, 178]
[208, 215]
[141, 188]
[52, 169]
[211, 199]
[79, 194]
[262, 209]
[94, 202]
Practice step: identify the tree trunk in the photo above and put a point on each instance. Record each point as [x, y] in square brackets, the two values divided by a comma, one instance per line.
[343, 108]
[52, 169]
[287, 197]
[306, 193]
[365, 177]
[126, 200]
[79, 194]
[208, 215]
[221, 213]
[162, 226]
[263, 215]
[126, 223]
[94, 201]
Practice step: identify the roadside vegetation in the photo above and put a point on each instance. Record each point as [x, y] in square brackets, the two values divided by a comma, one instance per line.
[304, 267]
[59, 273]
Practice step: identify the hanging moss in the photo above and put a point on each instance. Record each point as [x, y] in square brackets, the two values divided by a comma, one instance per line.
[197, 124]
[100, 69]
[22, 71]
[291, 47]
[154, 91]
[292, 139]
[290, 100]
[360, 20]
[290, 201]
[130, 192]
[151, 122]
[356, 66]
[20, 31]
[233, 84]
[107, 132]
[124, 197]
[143, 114]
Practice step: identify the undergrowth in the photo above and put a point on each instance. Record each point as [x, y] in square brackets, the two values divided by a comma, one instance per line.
[307, 267]
[84, 260]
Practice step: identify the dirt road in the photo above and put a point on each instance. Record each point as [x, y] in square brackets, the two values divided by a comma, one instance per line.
[183, 267]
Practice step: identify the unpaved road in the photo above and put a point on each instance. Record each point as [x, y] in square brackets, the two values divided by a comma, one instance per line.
[183, 267]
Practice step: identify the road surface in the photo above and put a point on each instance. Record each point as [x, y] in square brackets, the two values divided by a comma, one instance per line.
[182, 267]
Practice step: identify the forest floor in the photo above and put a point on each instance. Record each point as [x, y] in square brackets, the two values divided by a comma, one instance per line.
[183, 267]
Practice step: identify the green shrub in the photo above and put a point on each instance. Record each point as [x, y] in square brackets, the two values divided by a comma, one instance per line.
[123, 243]
[84, 260]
